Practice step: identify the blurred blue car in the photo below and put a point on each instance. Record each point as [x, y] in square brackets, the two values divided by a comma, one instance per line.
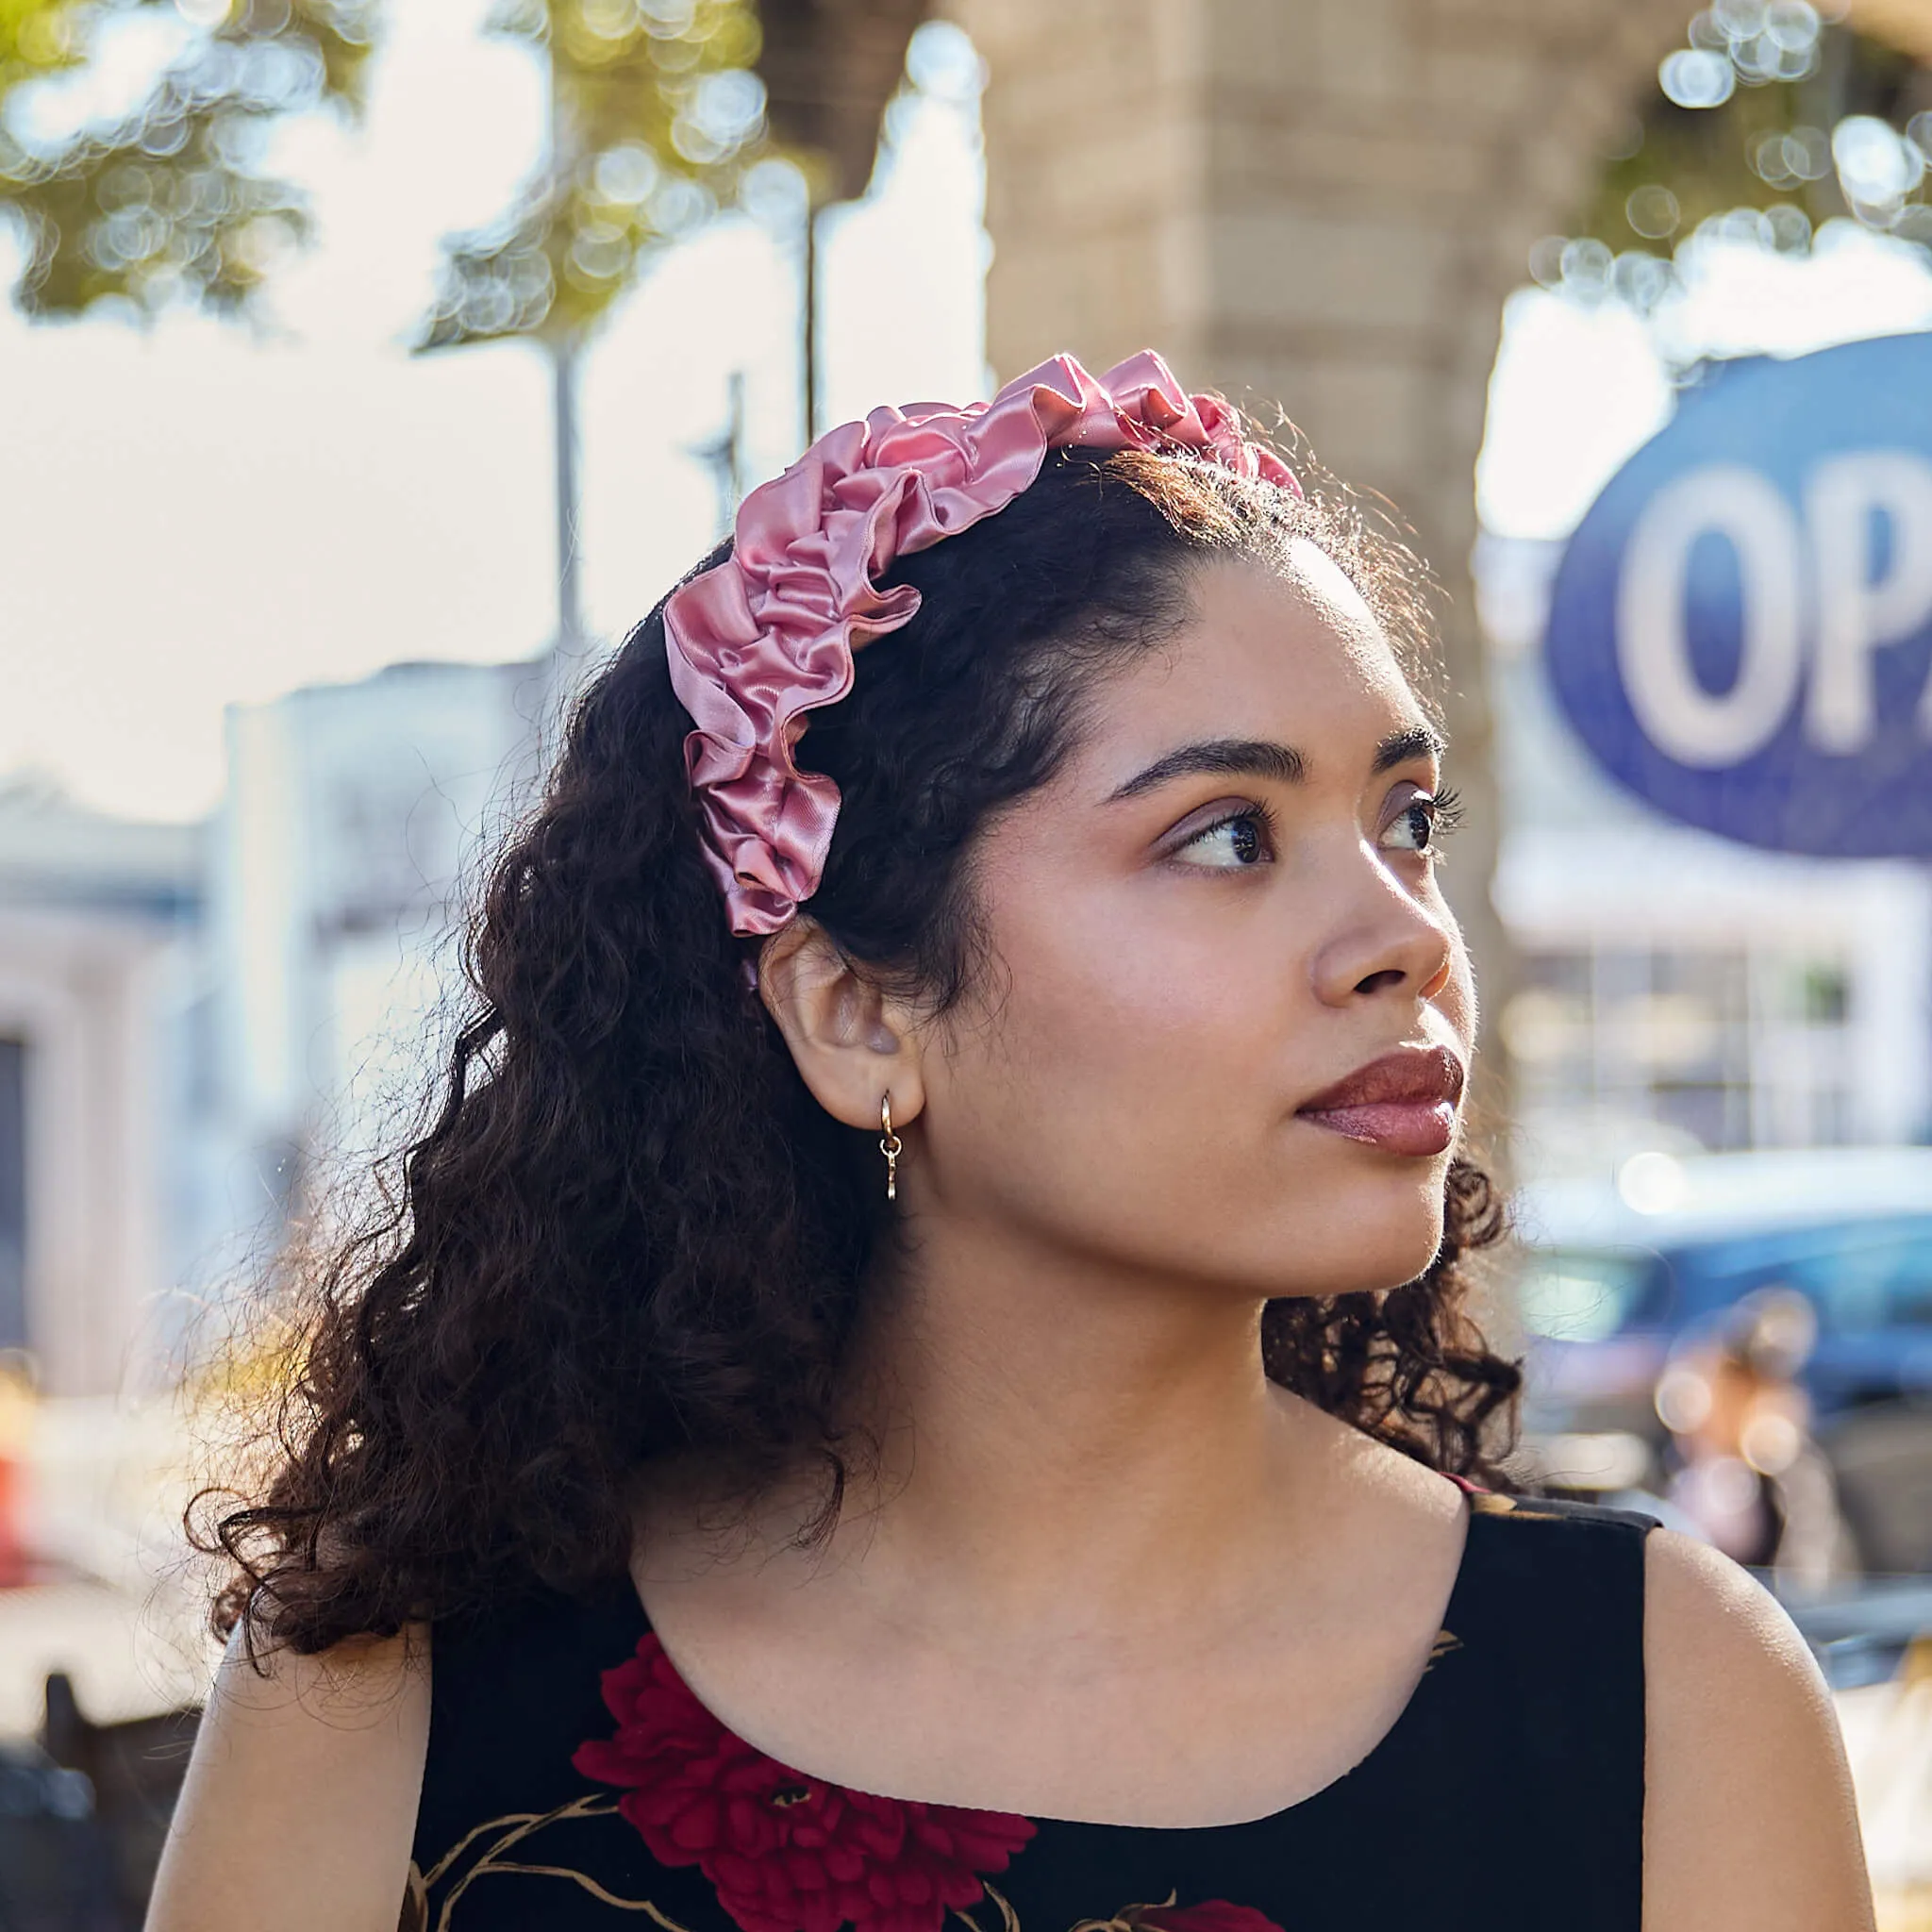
[1619, 1272]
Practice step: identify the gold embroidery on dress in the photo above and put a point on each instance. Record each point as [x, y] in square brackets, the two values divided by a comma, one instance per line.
[1128, 1919]
[1490, 1502]
[514, 1827]
[1009, 1918]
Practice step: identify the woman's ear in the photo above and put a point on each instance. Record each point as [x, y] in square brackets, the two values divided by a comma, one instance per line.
[854, 1046]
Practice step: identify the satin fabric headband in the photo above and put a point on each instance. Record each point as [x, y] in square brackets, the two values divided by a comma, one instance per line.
[768, 635]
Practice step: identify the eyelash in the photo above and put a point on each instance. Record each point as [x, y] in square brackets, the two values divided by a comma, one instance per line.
[1254, 812]
[1444, 810]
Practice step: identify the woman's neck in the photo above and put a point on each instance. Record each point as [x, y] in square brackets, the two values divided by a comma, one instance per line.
[1042, 1416]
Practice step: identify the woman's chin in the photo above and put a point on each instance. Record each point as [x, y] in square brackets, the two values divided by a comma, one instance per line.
[1361, 1240]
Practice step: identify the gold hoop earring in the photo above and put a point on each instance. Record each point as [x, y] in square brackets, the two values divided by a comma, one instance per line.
[889, 1146]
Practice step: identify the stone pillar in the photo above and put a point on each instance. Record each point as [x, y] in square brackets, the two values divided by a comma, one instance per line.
[1315, 203]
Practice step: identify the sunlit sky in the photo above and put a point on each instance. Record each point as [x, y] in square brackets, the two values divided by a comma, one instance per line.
[207, 513]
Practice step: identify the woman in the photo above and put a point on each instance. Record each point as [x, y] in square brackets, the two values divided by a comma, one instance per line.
[920, 1373]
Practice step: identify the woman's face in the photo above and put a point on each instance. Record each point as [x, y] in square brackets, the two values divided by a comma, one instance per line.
[1223, 905]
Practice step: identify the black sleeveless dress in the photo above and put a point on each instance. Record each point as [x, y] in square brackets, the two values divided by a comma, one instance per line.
[574, 1783]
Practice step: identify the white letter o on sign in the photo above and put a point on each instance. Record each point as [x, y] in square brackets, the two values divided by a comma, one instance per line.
[1678, 714]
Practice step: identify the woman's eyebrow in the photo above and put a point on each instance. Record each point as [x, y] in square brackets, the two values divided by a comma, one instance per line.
[1218, 758]
[1399, 747]
[1262, 758]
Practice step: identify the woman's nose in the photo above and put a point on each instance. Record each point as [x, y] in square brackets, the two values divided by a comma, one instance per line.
[1388, 941]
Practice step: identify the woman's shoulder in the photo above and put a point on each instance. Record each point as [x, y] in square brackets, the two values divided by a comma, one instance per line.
[1565, 1576]
[1748, 1817]
[1701, 1613]
[1750, 1820]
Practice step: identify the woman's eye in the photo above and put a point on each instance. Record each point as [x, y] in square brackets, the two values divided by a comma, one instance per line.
[1420, 824]
[1238, 841]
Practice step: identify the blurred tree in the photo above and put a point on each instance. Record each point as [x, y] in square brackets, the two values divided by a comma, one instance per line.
[164, 202]
[656, 111]
[1769, 121]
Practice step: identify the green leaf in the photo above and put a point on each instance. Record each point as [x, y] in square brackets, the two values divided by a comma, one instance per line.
[658, 114]
[167, 204]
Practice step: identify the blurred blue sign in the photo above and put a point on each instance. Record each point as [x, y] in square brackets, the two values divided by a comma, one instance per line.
[1740, 629]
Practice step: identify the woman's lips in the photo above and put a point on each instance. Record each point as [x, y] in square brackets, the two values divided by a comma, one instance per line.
[1403, 1103]
[1400, 1126]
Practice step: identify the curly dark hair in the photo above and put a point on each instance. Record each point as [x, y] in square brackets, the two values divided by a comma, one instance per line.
[628, 1228]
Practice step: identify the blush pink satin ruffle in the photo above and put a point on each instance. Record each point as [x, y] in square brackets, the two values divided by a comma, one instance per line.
[768, 636]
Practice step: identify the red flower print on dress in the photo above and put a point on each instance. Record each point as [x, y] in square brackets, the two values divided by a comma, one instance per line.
[786, 1853]
[1210, 1915]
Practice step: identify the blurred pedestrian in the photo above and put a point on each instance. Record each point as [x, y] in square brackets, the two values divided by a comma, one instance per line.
[1746, 1466]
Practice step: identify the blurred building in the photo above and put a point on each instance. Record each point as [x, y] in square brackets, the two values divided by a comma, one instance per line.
[191, 1015]
[340, 857]
[102, 1104]
[1674, 990]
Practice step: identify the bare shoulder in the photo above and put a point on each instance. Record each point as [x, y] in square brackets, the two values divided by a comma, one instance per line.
[306, 1765]
[1749, 1821]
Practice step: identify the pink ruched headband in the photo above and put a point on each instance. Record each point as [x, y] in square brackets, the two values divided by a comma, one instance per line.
[768, 635]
